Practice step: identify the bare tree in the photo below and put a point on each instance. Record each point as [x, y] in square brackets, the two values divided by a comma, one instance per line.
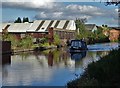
[110, 2]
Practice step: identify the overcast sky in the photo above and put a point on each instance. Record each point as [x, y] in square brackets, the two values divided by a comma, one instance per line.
[95, 12]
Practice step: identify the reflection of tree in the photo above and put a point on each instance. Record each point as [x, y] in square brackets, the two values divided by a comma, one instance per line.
[24, 55]
[103, 53]
[56, 56]
[39, 60]
[50, 58]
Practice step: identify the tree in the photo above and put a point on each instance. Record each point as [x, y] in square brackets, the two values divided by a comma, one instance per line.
[56, 39]
[80, 24]
[25, 19]
[81, 27]
[110, 2]
[18, 20]
[26, 42]
[113, 2]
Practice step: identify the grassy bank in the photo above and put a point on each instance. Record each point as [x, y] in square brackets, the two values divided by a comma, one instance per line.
[105, 72]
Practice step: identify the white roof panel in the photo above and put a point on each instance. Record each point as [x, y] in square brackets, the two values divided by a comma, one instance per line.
[69, 24]
[34, 26]
[19, 27]
[54, 23]
[44, 26]
[61, 24]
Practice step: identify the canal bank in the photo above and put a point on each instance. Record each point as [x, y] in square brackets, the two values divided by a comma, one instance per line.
[104, 72]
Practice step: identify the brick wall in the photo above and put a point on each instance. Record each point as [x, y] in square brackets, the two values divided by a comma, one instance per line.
[114, 35]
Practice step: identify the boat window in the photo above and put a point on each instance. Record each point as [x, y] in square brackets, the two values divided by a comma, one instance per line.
[76, 43]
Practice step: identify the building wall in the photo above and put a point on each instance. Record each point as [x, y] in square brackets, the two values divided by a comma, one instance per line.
[114, 35]
[65, 34]
[38, 35]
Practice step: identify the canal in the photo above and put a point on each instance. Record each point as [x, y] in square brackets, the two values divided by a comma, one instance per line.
[53, 67]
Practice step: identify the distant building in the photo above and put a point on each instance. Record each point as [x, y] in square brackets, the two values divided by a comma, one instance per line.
[91, 27]
[114, 34]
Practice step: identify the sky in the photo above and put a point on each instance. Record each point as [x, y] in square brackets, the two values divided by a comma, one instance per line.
[95, 12]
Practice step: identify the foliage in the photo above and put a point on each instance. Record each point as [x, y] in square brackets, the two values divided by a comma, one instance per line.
[81, 27]
[26, 42]
[113, 2]
[10, 37]
[18, 20]
[25, 19]
[105, 27]
[105, 72]
[56, 39]
[46, 44]
[80, 24]
[99, 36]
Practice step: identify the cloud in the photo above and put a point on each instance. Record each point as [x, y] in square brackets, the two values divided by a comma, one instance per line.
[85, 9]
[48, 9]
[71, 11]
[28, 4]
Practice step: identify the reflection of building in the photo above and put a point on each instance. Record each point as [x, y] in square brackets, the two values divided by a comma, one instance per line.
[6, 59]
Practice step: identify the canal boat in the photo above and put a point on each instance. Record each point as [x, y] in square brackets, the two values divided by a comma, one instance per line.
[78, 46]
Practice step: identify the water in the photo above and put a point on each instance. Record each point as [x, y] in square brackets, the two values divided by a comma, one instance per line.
[50, 67]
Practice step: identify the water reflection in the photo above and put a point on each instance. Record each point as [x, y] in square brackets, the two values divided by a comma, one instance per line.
[6, 59]
[47, 68]
[78, 56]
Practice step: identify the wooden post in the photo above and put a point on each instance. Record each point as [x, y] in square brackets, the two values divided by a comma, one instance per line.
[50, 35]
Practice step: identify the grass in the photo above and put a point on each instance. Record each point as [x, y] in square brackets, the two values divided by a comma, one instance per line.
[104, 72]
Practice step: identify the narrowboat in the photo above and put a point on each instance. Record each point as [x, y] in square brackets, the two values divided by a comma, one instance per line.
[78, 46]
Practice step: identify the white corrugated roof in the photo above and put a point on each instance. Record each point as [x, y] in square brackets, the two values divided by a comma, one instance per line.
[61, 24]
[43, 25]
[19, 27]
[40, 26]
[54, 23]
[34, 26]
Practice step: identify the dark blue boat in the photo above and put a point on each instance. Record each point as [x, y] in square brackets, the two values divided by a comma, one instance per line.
[78, 46]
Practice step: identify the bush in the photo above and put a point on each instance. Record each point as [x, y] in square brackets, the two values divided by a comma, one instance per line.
[104, 72]
[56, 40]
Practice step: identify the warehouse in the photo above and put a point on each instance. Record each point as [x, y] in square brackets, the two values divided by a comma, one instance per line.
[43, 28]
[64, 28]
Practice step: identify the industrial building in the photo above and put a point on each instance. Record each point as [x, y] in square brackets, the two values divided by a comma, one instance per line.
[42, 28]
